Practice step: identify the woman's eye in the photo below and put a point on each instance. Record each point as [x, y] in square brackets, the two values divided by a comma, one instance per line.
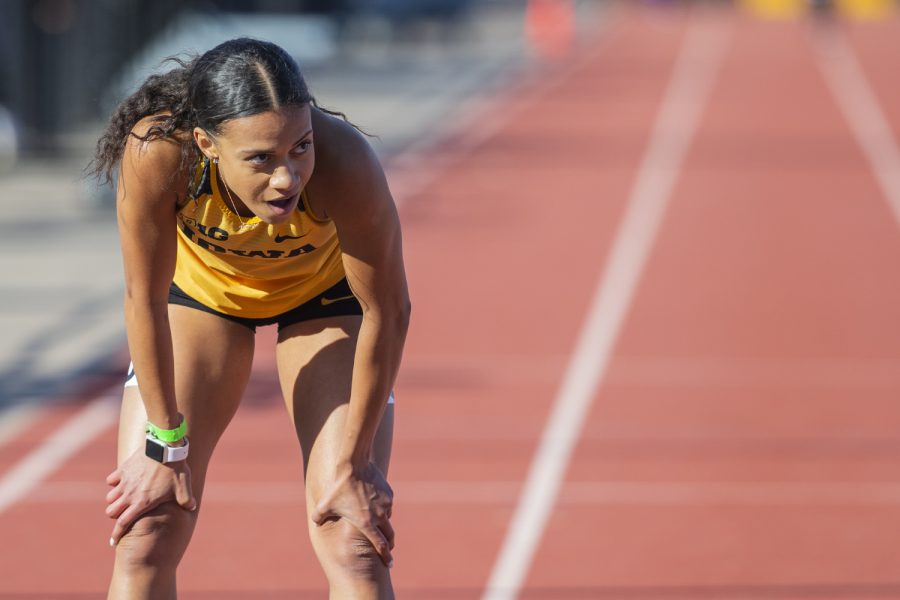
[302, 146]
[259, 159]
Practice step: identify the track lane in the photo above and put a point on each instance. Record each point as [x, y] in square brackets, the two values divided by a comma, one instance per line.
[759, 357]
[528, 209]
[673, 129]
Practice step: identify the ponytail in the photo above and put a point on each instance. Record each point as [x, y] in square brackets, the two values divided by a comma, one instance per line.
[163, 93]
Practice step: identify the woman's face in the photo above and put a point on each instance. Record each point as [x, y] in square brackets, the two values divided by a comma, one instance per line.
[264, 159]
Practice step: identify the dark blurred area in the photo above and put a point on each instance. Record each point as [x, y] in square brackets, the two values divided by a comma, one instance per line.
[58, 58]
[57, 55]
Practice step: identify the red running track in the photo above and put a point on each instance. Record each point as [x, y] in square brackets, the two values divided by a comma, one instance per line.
[742, 441]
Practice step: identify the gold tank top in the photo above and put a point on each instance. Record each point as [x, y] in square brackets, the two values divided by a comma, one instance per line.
[245, 267]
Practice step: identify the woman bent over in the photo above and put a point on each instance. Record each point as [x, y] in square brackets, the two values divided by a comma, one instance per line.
[241, 203]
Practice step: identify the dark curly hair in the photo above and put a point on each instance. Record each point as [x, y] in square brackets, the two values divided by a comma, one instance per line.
[238, 78]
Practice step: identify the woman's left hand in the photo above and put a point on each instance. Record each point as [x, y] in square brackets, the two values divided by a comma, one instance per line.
[365, 499]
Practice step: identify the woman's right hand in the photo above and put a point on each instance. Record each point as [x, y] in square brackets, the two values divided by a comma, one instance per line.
[364, 498]
[140, 485]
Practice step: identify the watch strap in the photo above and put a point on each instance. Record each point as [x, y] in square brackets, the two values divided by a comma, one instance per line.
[177, 453]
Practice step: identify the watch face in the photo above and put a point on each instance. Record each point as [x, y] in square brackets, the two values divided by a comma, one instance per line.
[155, 451]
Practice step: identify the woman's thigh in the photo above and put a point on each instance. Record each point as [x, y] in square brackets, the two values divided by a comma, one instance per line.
[315, 368]
[212, 366]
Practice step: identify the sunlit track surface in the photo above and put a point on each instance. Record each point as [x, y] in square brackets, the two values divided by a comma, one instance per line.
[777, 255]
[742, 442]
[683, 102]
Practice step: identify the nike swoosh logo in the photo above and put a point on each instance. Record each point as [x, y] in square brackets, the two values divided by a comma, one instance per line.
[283, 238]
[327, 301]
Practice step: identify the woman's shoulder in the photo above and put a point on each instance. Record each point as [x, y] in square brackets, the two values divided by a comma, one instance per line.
[156, 158]
[348, 178]
[344, 157]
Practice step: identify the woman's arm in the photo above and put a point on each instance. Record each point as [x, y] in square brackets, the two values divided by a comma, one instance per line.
[146, 203]
[373, 262]
[147, 197]
[364, 213]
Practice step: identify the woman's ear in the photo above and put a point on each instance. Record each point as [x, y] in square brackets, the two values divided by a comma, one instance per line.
[206, 143]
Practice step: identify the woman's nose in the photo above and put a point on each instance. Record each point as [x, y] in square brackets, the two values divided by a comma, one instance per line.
[284, 178]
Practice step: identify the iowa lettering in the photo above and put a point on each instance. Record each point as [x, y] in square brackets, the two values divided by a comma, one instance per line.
[212, 232]
[207, 245]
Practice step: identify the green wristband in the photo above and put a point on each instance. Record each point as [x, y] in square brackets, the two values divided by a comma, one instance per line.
[168, 435]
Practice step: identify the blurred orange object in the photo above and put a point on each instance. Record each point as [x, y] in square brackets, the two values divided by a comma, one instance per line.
[867, 10]
[550, 27]
[776, 9]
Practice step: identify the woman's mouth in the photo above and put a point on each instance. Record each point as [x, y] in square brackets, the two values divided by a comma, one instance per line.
[282, 206]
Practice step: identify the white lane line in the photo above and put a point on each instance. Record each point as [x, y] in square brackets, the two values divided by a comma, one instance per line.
[673, 130]
[15, 419]
[861, 109]
[63, 443]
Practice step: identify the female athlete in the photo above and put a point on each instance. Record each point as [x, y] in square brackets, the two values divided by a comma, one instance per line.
[242, 203]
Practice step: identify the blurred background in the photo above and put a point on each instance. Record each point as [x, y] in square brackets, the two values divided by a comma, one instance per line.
[397, 68]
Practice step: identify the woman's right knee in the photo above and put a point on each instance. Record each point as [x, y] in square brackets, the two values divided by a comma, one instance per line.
[158, 539]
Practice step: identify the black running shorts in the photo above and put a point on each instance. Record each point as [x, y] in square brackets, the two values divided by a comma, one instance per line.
[336, 301]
